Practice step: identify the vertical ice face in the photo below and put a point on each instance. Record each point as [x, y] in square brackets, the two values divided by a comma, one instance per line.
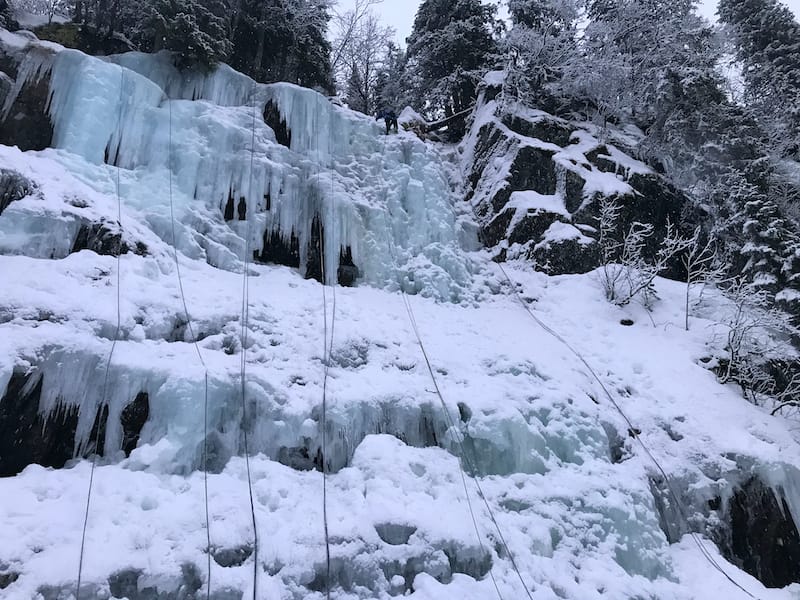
[384, 202]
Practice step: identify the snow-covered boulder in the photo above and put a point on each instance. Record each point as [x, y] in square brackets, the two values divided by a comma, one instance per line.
[565, 249]
[13, 187]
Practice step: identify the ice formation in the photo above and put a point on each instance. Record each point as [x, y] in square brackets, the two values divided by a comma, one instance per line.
[384, 202]
[574, 497]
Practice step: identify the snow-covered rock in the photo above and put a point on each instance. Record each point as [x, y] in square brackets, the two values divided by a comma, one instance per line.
[511, 153]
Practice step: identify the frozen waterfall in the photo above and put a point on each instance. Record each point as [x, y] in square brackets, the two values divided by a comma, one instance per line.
[383, 206]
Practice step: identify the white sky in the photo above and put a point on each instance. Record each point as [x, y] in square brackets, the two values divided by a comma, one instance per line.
[400, 13]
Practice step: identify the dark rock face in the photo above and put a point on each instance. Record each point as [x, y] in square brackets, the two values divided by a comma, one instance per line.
[6, 85]
[124, 584]
[395, 534]
[24, 438]
[99, 238]
[13, 187]
[29, 437]
[6, 579]
[5, 15]
[566, 256]
[573, 191]
[762, 537]
[27, 124]
[231, 557]
[282, 251]
[273, 118]
[533, 169]
[555, 159]
[133, 418]
[655, 201]
[314, 260]
[546, 128]
[127, 584]
[348, 272]
[229, 207]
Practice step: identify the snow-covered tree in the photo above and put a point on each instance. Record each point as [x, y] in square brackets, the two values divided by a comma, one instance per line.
[5, 14]
[638, 55]
[769, 243]
[362, 47]
[752, 326]
[48, 8]
[282, 40]
[540, 43]
[194, 30]
[391, 86]
[766, 38]
[449, 49]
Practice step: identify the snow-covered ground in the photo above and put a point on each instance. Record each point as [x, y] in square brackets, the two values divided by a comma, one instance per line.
[569, 488]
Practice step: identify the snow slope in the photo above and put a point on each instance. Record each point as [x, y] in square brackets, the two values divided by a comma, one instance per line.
[570, 490]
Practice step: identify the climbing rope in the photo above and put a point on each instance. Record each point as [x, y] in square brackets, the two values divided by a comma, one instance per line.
[326, 359]
[633, 430]
[451, 424]
[104, 393]
[471, 464]
[199, 356]
[245, 317]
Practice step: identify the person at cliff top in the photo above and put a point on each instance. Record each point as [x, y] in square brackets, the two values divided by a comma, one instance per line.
[389, 117]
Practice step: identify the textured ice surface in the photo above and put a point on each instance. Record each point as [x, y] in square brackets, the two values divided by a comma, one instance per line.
[210, 132]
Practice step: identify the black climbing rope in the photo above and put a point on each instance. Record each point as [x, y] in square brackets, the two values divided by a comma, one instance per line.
[245, 317]
[327, 350]
[199, 356]
[104, 393]
[451, 424]
[633, 430]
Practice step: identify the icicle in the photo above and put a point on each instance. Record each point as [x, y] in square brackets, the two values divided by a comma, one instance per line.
[38, 63]
[384, 200]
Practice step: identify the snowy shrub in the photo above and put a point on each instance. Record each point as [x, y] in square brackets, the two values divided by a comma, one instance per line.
[757, 336]
[625, 272]
[703, 266]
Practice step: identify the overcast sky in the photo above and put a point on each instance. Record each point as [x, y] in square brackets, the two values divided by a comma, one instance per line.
[400, 13]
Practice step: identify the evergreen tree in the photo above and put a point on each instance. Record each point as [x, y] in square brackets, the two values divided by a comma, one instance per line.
[5, 15]
[103, 18]
[541, 42]
[391, 82]
[310, 64]
[766, 38]
[449, 48]
[356, 97]
[194, 30]
[283, 40]
[769, 243]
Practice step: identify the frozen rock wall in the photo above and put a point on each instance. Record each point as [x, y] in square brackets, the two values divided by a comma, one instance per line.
[536, 182]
